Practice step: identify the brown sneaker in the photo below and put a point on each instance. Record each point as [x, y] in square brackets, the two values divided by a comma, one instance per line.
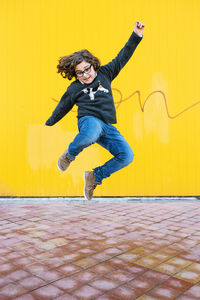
[90, 184]
[63, 162]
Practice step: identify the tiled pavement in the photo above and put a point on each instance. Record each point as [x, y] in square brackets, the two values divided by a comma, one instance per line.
[104, 251]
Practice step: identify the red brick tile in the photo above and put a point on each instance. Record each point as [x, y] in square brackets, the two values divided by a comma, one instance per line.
[3, 260]
[97, 247]
[25, 297]
[58, 252]
[104, 284]
[67, 284]
[124, 292]
[66, 297]
[148, 261]
[116, 262]
[162, 292]
[18, 275]
[47, 292]
[176, 283]
[10, 242]
[167, 268]
[125, 247]
[36, 268]
[190, 256]
[106, 297]
[86, 262]
[85, 242]
[188, 275]
[129, 256]
[73, 246]
[5, 251]
[24, 261]
[113, 251]
[87, 292]
[31, 283]
[85, 251]
[68, 269]
[53, 262]
[101, 256]
[7, 268]
[43, 256]
[13, 256]
[85, 276]
[68, 258]
[169, 251]
[50, 276]
[141, 284]
[177, 261]
[152, 246]
[155, 276]
[31, 251]
[11, 290]
[58, 241]
[20, 246]
[134, 269]
[4, 281]
[120, 275]
[185, 297]
[194, 267]
[194, 291]
[102, 268]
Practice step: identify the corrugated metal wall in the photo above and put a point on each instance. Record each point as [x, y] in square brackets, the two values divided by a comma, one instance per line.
[160, 117]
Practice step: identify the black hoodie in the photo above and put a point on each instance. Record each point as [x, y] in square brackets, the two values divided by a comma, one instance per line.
[96, 99]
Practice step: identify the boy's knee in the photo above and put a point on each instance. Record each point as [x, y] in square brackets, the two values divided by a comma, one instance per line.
[88, 140]
[127, 157]
[130, 157]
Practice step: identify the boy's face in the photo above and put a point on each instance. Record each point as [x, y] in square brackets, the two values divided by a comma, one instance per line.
[85, 72]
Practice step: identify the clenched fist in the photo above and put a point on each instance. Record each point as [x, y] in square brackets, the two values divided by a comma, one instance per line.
[139, 27]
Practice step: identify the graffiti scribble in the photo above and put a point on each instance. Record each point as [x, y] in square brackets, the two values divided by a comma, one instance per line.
[142, 106]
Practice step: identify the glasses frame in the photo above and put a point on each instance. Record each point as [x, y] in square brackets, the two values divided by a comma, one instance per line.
[81, 73]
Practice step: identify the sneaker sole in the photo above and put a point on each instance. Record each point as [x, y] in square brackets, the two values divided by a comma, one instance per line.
[84, 188]
[60, 168]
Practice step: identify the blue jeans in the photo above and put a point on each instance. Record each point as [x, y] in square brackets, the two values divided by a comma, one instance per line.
[93, 130]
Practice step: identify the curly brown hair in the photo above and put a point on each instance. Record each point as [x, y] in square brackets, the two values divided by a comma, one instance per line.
[67, 64]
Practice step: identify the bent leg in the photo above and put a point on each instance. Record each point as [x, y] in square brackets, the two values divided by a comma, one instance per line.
[90, 130]
[116, 144]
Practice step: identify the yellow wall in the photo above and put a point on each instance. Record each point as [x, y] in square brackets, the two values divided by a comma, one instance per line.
[35, 33]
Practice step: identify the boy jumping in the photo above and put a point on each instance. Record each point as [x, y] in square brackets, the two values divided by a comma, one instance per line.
[91, 92]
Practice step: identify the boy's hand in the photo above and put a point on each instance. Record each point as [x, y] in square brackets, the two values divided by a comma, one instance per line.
[139, 27]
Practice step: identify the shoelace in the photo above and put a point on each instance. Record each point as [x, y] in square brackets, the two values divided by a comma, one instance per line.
[69, 160]
[93, 186]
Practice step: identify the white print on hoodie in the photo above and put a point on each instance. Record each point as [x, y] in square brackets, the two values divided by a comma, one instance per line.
[92, 92]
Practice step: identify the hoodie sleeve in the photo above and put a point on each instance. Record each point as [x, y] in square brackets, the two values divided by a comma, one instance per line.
[64, 106]
[113, 68]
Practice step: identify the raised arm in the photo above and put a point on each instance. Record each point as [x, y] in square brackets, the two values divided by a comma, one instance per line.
[113, 68]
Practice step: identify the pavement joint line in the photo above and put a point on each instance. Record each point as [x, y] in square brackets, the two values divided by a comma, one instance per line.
[100, 275]
[148, 268]
[117, 268]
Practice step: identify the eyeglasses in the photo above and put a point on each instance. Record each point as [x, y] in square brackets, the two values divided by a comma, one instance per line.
[86, 71]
